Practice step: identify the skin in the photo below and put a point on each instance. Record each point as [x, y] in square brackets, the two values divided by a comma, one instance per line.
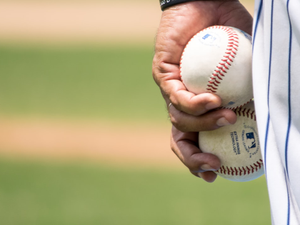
[190, 113]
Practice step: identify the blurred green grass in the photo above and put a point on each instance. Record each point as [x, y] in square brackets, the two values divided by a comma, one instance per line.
[100, 82]
[69, 193]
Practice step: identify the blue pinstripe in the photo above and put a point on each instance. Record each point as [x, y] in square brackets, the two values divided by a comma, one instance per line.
[269, 84]
[289, 112]
[289, 92]
[256, 24]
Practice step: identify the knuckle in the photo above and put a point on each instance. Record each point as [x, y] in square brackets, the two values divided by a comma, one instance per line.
[173, 120]
[194, 111]
[178, 123]
[157, 69]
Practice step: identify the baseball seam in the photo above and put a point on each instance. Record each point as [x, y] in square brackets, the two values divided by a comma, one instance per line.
[249, 113]
[241, 171]
[223, 66]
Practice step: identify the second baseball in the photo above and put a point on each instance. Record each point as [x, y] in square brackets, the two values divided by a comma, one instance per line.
[218, 60]
[237, 146]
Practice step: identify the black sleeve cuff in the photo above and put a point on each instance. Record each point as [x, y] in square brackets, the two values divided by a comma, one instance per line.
[167, 3]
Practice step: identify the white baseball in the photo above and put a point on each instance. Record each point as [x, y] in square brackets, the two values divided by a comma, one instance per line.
[237, 146]
[218, 60]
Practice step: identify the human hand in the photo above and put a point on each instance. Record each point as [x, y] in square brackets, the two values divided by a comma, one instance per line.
[189, 112]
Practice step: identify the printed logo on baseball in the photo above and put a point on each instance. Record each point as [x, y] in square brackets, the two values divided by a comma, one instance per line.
[218, 60]
[237, 146]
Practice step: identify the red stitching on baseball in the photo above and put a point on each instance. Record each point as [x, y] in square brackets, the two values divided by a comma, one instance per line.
[217, 75]
[249, 113]
[213, 84]
[211, 87]
[227, 59]
[241, 171]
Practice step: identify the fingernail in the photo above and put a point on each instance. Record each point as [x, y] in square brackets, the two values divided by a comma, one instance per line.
[222, 122]
[212, 105]
[207, 167]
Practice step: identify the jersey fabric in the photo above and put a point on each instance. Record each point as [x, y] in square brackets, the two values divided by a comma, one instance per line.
[276, 82]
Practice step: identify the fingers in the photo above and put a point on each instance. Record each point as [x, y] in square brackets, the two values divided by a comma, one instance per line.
[192, 104]
[207, 121]
[184, 145]
[174, 91]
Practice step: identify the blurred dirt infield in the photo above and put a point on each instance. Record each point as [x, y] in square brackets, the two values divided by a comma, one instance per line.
[122, 144]
[79, 21]
[83, 22]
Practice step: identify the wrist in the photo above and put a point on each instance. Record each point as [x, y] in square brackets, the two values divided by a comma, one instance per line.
[167, 3]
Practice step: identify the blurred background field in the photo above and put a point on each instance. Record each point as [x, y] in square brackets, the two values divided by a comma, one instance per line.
[85, 193]
[84, 135]
[99, 82]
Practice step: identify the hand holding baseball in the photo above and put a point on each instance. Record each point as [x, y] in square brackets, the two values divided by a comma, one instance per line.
[188, 111]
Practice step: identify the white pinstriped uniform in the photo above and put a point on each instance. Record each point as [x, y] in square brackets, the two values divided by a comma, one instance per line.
[276, 77]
